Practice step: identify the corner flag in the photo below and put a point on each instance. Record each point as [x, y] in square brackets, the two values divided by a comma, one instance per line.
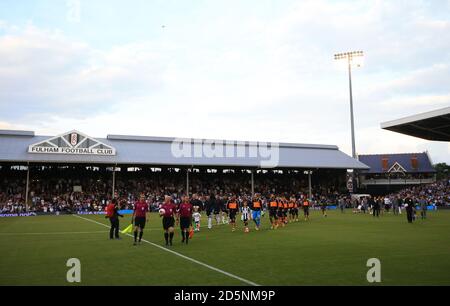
[128, 229]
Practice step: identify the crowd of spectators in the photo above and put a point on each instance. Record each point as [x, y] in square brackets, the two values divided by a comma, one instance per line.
[88, 190]
[437, 193]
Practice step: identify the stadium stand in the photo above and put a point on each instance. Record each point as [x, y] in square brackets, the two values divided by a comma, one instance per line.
[391, 172]
[433, 125]
[73, 171]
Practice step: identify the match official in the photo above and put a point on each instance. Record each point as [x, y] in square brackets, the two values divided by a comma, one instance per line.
[112, 213]
[185, 217]
[409, 205]
[139, 218]
[168, 221]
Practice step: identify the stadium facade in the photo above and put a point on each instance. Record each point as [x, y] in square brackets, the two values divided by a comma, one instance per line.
[391, 172]
[24, 151]
[75, 147]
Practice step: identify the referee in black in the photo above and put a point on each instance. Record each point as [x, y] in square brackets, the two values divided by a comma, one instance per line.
[409, 204]
[376, 206]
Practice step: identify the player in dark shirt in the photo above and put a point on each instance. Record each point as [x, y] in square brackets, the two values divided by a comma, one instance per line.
[291, 209]
[273, 207]
[285, 211]
[306, 205]
[196, 202]
[223, 204]
[168, 220]
[233, 209]
[323, 206]
[185, 218]
[280, 212]
[296, 205]
[256, 207]
[209, 208]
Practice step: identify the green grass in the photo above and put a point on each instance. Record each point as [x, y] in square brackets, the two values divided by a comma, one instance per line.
[323, 251]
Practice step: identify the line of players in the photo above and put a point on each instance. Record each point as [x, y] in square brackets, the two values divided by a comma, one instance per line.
[282, 210]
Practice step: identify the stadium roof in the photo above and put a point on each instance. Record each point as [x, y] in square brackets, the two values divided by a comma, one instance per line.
[19, 146]
[434, 125]
[410, 162]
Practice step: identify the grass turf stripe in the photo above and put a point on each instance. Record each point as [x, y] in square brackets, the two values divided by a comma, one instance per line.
[183, 256]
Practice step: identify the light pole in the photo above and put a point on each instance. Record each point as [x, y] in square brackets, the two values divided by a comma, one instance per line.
[349, 57]
[309, 172]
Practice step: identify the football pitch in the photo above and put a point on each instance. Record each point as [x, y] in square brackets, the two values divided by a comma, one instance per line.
[321, 251]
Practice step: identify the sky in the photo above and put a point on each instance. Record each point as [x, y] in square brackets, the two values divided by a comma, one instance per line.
[260, 70]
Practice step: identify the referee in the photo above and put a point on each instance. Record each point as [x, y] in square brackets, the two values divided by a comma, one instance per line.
[139, 218]
[409, 205]
[168, 220]
[185, 218]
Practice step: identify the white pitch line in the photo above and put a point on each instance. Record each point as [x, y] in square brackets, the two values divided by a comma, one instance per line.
[51, 233]
[184, 256]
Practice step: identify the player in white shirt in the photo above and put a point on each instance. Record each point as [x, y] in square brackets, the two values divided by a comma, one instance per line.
[197, 216]
[246, 215]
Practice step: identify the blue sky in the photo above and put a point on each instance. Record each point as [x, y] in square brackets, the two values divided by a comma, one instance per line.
[245, 70]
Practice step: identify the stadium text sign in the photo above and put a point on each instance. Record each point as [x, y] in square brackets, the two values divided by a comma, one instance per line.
[72, 142]
[30, 214]
[71, 151]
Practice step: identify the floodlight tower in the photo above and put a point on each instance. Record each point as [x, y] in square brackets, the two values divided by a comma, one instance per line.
[349, 57]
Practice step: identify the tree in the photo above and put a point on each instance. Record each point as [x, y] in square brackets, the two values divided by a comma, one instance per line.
[442, 171]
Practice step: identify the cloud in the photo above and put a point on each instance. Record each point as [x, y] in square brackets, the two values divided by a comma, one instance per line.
[413, 101]
[5, 125]
[42, 71]
[429, 80]
[417, 91]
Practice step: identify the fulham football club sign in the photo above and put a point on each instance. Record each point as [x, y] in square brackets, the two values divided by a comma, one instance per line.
[73, 139]
[72, 142]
